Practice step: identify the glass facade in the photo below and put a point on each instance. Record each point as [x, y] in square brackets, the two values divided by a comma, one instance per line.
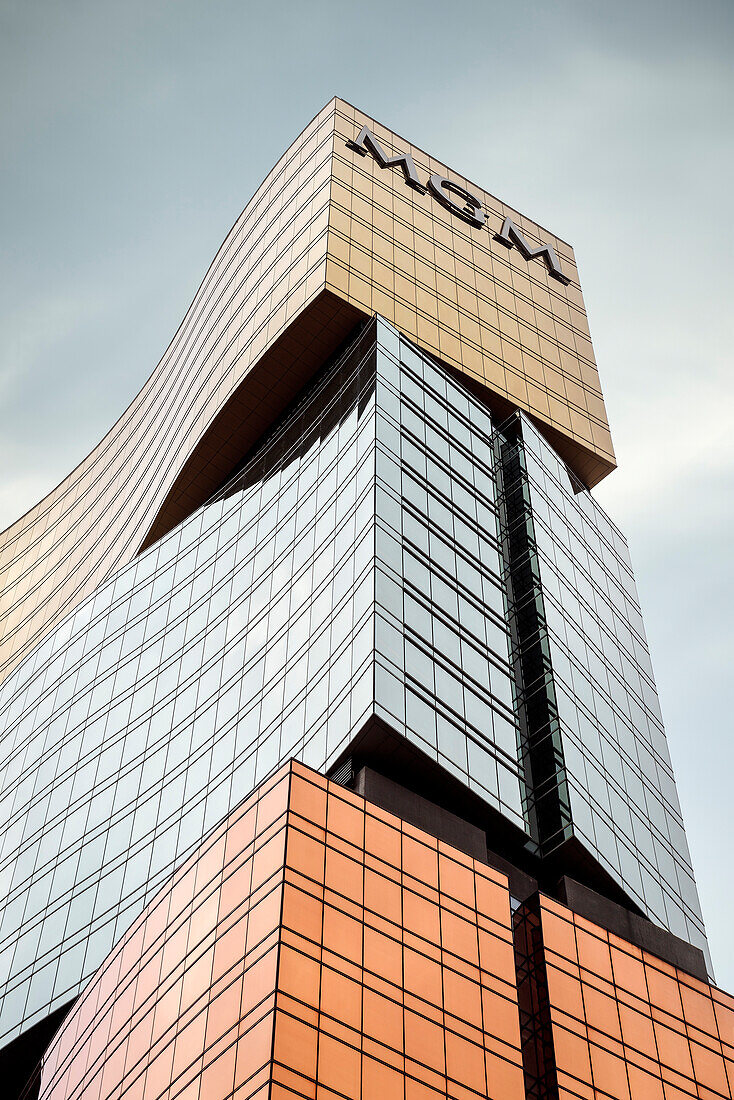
[443, 676]
[344, 538]
[357, 565]
[623, 801]
[350, 569]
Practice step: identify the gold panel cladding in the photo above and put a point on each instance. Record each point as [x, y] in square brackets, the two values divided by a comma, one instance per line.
[463, 296]
[328, 237]
[268, 274]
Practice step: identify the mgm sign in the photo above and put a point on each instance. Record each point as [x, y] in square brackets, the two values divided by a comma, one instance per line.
[458, 200]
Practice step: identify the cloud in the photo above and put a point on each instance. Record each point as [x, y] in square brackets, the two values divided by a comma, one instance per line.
[133, 134]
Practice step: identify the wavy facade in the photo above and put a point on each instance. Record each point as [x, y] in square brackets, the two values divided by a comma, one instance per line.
[328, 237]
[327, 719]
[270, 270]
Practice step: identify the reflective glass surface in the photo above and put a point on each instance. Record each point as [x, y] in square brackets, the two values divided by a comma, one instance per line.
[623, 800]
[349, 569]
[442, 676]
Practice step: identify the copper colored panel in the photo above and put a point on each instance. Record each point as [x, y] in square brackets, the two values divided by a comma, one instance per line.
[317, 945]
[397, 960]
[314, 945]
[613, 1020]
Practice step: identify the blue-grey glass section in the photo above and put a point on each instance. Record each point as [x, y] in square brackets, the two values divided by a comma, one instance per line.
[624, 804]
[350, 569]
[443, 675]
[244, 637]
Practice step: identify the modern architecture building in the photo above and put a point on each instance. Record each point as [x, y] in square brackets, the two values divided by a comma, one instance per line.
[331, 761]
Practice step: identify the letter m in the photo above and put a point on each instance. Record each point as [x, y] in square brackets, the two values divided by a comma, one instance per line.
[366, 142]
[509, 235]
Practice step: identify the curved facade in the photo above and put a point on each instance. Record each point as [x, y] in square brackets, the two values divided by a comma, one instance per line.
[302, 602]
[271, 267]
[346, 526]
[328, 237]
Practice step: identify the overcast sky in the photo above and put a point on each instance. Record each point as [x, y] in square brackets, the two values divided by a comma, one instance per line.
[133, 133]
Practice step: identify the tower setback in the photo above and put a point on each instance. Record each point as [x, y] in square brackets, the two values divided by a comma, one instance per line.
[331, 758]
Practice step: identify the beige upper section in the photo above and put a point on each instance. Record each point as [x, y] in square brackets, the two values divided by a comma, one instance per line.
[463, 296]
[328, 237]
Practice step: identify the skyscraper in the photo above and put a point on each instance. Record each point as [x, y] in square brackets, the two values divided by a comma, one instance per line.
[332, 759]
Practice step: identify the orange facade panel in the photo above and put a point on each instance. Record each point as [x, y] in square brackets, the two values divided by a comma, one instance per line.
[315, 945]
[318, 946]
[611, 1020]
[396, 969]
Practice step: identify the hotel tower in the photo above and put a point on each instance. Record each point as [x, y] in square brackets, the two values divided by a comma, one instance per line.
[331, 759]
